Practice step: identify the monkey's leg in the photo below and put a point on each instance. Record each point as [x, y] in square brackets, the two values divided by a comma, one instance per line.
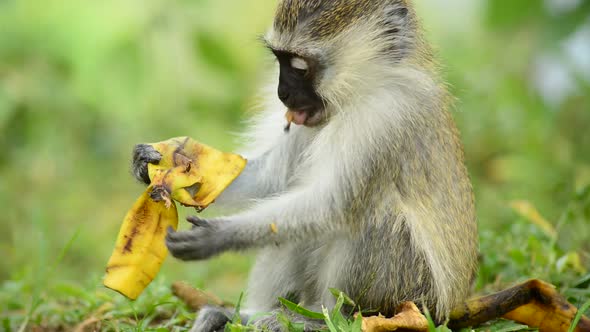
[534, 303]
[278, 272]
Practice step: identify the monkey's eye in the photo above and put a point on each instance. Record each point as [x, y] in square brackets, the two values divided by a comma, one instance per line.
[299, 63]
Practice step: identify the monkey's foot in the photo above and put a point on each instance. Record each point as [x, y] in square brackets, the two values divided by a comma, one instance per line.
[408, 318]
[534, 303]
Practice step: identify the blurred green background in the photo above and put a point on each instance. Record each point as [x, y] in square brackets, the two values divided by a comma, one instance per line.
[82, 82]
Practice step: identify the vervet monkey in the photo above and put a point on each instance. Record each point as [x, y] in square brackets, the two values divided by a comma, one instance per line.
[367, 193]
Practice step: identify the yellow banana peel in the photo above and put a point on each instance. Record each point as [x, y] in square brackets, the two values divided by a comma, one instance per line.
[209, 173]
[190, 173]
[140, 248]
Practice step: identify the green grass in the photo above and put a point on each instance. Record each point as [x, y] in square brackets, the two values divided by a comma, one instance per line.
[81, 83]
[53, 304]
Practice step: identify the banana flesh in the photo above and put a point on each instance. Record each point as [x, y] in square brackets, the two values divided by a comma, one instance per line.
[190, 173]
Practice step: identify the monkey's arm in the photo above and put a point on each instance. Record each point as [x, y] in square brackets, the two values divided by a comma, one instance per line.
[306, 212]
[261, 177]
[264, 175]
[331, 178]
[268, 173]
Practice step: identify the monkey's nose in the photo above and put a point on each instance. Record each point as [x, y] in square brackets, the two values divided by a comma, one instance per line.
[283, 94]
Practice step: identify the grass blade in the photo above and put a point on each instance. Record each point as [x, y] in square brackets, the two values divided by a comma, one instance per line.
[36, 300]
[337, 293]
[328, 320]
[300, 310]
[237, 319]
[579, 315]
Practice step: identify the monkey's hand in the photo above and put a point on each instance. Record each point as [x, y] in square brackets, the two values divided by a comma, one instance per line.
[144, 154]
[204, 240]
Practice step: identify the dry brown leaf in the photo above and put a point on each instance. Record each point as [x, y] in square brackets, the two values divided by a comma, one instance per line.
[90, 324]
[409, 318]
[527, 210]
[194, 298]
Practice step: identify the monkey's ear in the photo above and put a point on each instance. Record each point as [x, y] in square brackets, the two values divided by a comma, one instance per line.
[396, 18]
[400, 29]
[398, 10]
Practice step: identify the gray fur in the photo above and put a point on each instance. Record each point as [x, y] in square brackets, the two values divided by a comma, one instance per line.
[211, 319]
[376, 201]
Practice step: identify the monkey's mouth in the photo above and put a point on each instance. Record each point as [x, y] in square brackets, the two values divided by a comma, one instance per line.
[305, 117]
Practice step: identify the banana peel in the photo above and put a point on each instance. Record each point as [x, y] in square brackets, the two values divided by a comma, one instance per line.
[209, 173]
[548, 310]
[140, 249]
[534, 302]
[190, 173]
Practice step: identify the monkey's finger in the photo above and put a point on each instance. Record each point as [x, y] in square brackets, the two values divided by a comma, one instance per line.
[198, 222]
[182, 236]
[146, 153]
[179, 250]
[170, 230]
[188, 250]
[141, 169]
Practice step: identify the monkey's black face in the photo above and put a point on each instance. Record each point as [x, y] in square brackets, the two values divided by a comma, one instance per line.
[296, 88]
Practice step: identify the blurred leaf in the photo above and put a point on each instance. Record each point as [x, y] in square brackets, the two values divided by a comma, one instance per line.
[507, 14]
[584, 282]
[571, 259]
[560, 26]
[215, 52]
[530, 213]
